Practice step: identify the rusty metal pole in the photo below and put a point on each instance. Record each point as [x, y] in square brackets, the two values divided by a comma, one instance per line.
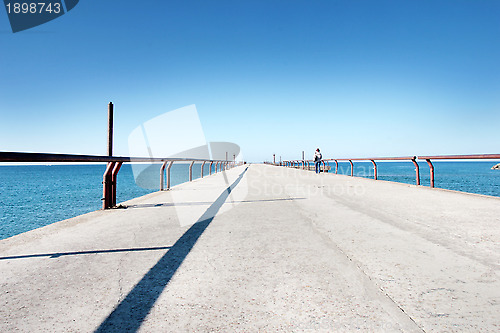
[162, 172]
[417, 169]
[374, 169]
[110, 129]
[106, 181]
[191, 171]
[274, 159]
[114, 178]
[324, 166]
[202, 166]
[431, 167]
[336, 166]
[106, 186]
[168, 174]
[352, 168]
[210, 171]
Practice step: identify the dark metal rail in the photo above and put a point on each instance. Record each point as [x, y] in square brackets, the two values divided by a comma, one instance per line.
[114, 164]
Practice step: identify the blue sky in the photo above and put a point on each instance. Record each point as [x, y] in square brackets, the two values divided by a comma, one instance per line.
[355, 78]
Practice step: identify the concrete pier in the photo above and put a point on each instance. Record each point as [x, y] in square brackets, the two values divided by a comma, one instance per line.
[263, 248]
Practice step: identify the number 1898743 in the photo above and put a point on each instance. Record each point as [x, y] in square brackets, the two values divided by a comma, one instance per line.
[33, 7]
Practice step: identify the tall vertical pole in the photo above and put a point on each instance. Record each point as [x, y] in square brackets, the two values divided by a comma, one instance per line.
[303, 156]
[108, 187]
[110, 129]
[274, 158]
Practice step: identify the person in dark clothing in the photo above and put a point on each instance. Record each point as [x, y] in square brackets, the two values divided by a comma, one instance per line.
[317, 160]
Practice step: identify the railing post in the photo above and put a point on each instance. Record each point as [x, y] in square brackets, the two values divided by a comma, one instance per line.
[191, 171]
[336, 166]
[417, 169]
[324, 166]
[168, 174]
[107, 188]
[374, 169]
[202, 166]
[162, 172]
[210, 171]
[431, 167]
[114, 177]
[352, 168]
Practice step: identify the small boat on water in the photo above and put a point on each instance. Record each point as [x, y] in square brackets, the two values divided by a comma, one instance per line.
[496, 167]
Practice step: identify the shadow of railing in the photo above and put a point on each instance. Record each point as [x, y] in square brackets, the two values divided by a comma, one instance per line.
[62, 254]
[133, 309]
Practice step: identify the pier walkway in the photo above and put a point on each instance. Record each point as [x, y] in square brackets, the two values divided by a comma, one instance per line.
[262, 248]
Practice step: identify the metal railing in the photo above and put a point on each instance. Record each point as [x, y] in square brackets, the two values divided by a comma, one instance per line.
[114, 164]
[302, 163]
[455, 157]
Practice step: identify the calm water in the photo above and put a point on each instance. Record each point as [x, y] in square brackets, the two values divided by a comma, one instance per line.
[472, 177]
[35, 196]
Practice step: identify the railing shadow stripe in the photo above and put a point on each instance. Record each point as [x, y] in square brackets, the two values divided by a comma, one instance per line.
[129, 315]
[62, 254]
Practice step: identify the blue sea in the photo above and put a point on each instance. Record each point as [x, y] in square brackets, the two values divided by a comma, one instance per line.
[472, 177]
[33, 196]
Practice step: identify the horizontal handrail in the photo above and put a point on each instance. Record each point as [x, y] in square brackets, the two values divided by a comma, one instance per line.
[460, 157]
[49, 157]
[405, 158]
[114, 164]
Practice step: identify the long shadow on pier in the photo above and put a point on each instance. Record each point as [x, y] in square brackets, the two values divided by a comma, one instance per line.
[131, 312]
[173, 204]
[62, 254]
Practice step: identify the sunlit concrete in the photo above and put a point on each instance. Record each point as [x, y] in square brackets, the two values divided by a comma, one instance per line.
[287, 250]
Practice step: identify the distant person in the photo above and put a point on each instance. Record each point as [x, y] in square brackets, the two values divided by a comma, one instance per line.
[317, 160]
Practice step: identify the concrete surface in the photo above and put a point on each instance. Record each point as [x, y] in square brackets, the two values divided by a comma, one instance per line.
[282, 250]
